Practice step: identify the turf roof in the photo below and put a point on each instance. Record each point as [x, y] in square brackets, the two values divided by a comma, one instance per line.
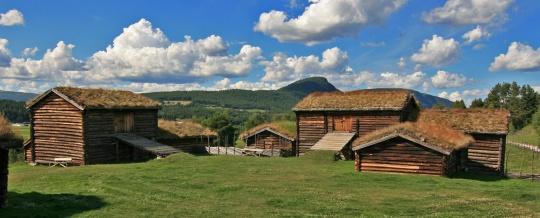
[472, 120]
[8, 137]
[182, 129]
[431, 133]
[276, 127]
[85, 98]
[359, 100]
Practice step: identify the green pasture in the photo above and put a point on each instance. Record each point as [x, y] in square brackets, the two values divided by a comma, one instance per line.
[313, 185]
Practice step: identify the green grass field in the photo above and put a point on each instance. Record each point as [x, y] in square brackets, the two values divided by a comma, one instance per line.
[183, 185]
[526, 135]
[23, 130]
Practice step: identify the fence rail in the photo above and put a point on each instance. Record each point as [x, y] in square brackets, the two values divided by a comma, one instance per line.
[526, 146]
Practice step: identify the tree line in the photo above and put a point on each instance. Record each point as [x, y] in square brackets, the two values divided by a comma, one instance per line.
[14, 111]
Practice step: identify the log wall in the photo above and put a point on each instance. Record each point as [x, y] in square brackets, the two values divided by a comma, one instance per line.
[311, 128]
[57, 131]
[4, 160]
[399, 155]
[100, 129]
[270, 140]
[192, 145]
[486, 154]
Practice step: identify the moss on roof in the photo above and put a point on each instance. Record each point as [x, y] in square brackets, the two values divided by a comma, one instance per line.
[428, 132]
[281, 127]
[7, 134]
[473, 120]
[355, 100]
[182, 129]
[100, 98]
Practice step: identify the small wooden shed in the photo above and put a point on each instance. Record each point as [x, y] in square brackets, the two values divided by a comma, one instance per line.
[412, 148]
[92, 125]
[488, 127]
[270, 136]
[358, 112]
[185, 135]
[8, 140]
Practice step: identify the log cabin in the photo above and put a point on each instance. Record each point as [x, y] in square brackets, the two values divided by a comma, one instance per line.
[91, 126]
[342, 116]
[185, 135]
[422, 148]
[488, 127]
[8, 140]
[270, 136]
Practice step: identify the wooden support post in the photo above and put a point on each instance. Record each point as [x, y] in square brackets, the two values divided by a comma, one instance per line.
[4, 161]
[117, 151]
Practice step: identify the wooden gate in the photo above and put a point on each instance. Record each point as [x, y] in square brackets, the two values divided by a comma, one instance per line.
[342, 123]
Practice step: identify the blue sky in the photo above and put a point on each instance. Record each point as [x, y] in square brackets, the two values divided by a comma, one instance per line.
[457, 49]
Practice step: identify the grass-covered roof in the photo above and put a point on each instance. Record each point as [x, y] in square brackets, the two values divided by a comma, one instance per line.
[425, 132]
[472, 120]
[8, 137]
[182, 129]
[359, 100]
[84, 98]
[285, 128]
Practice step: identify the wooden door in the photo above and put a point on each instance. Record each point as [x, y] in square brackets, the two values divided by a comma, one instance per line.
[342, 123]
[123, 122]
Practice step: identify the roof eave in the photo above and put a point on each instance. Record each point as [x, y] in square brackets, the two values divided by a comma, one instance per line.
[394, 135]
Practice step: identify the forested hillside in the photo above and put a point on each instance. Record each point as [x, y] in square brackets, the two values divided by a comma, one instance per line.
[14, 111]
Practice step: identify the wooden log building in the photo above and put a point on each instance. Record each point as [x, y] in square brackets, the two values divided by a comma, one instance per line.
[8, 140]
[82, 124]
[185, 135]
[359, 112]
[489, 129]
[270, 136]
[423, 148]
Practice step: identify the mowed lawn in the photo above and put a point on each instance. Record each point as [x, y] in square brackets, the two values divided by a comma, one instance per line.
[183, 185]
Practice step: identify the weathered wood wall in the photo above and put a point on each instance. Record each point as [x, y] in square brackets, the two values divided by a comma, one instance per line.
[101, 147]
[270, 140]
[4, 160]
[486, 154]
[192, 145]
[399, 155]
[312, 126]
[57, 131]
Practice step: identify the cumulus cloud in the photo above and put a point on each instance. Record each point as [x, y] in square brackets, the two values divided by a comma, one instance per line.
[283, 68]
[519, 57]
[29, 52]
[437, 52]
[402, 63]
[444, 80]
[324, 20]
[5, 53]
[393, 80]
[464, 12]
[466, 95]
[142, 53]
[476, 35]
[11, 18]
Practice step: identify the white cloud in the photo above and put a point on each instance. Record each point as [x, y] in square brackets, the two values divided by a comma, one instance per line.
[467, 95]
[437, 52]
[5, 53]
[11, 18]
[445, 80]
[520, 57]
[283, 68]
[29, 51]
[454, 96]
[325, 20]
[476, 35]
[463, 12]
[142, 53]
[393, 80]
[402, 63]
[372, 44]
[478, 46]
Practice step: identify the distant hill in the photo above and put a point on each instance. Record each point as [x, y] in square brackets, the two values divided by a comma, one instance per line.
[16, 96]
[307, 86]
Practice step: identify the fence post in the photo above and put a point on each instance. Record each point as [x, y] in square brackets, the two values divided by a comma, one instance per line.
[532, 167]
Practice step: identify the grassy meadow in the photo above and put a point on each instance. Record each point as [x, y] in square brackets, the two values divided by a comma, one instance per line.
[184, 185]
[526, 135]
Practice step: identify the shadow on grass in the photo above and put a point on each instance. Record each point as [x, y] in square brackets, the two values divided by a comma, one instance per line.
[478, 177]
[36, 204]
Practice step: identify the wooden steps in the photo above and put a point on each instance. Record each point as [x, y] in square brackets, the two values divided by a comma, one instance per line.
[334, 141]
[146, 144]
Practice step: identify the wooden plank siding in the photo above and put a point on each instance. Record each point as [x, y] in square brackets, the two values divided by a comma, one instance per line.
[270, 140]
[486, 154]
[57, 131]
[399, 155]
